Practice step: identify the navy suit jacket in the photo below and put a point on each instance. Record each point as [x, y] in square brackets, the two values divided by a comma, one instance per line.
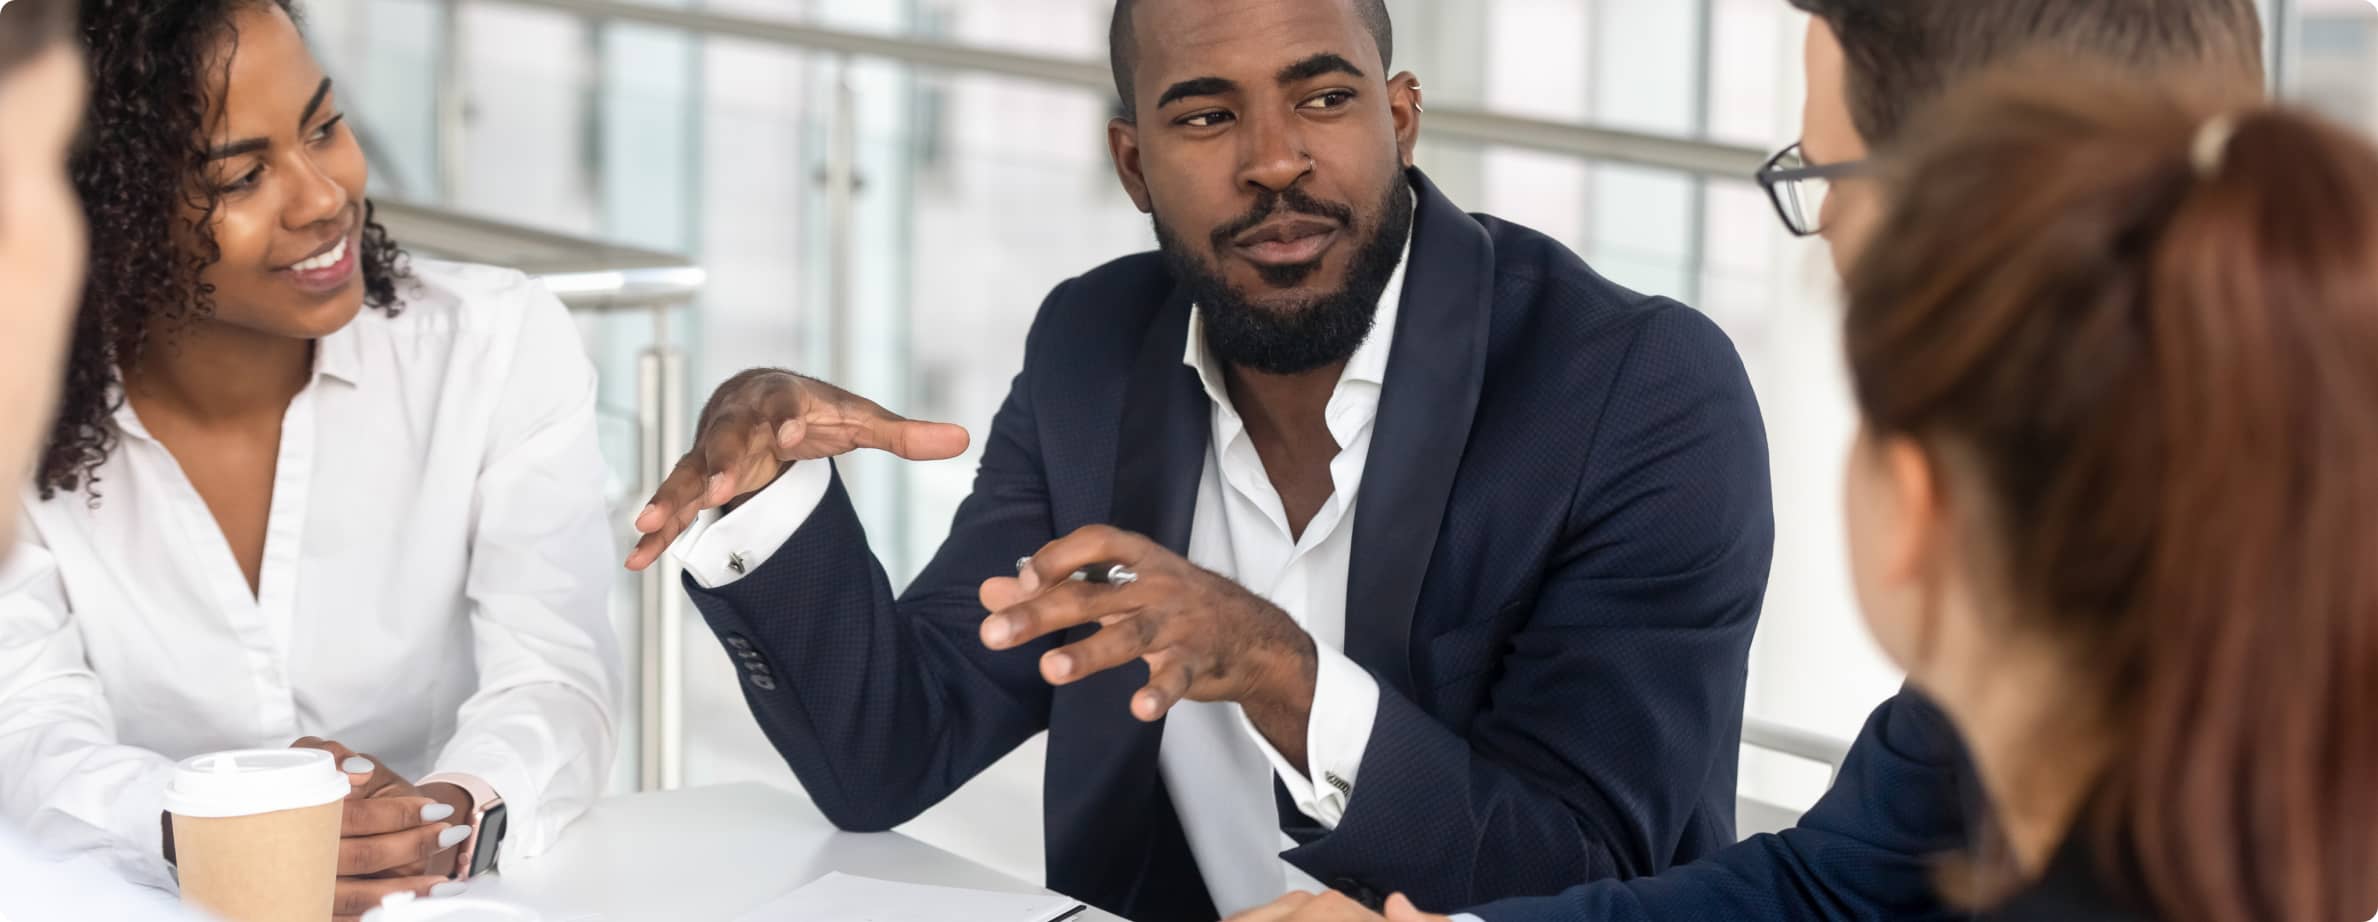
[1561, 543]
[1866, 851]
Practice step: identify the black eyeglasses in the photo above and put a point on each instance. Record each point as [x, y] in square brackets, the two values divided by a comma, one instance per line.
[1798, 188]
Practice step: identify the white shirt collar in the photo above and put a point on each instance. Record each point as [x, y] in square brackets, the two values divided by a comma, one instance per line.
[1368, 364]
[338, 356]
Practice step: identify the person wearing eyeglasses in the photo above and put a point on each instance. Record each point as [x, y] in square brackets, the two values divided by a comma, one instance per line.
[1907, 793]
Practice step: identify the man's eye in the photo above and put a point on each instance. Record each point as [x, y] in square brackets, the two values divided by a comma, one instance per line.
[1206, 119]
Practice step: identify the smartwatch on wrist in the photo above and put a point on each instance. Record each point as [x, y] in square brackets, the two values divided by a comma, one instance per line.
[476, 855]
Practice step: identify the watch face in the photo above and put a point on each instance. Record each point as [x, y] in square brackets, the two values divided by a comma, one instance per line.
[491, 840]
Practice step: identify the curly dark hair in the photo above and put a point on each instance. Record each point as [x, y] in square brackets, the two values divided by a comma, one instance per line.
[143, 163]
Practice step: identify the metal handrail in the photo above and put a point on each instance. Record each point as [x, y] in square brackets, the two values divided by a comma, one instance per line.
[1798, 743]
[596, 276]
[588, 275]
[1703, 158]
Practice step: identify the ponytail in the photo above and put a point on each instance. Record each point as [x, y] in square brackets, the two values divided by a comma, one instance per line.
[2252, 788]
[2156, 332]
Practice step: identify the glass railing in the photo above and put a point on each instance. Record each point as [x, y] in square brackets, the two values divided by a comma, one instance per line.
[877, 202]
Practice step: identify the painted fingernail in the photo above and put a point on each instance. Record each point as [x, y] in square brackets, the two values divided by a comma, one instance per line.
[436, 812]
[453, 836]
[1060, 665]
[449, 888]
[356, 765]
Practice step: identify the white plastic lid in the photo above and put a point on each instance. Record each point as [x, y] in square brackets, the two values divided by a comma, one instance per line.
[402, 907]
[247, 782]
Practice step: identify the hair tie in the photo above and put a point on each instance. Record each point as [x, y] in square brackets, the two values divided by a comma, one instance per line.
[2212, 144]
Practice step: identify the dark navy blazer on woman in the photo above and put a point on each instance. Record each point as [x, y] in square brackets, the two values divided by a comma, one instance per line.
[1907, 798]
[1561, 543]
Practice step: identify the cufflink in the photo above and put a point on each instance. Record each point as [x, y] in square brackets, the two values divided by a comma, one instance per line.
[1339, 783]
[735, 563]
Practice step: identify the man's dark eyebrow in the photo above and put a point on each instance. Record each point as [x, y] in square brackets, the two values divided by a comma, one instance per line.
[314, 103]
[252, 145]
[1323, 63]
[1190, 89]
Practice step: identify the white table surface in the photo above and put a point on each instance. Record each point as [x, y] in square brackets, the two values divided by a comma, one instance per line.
[713, 854]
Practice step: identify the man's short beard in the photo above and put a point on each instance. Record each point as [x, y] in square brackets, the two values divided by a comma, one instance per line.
[1298, 337]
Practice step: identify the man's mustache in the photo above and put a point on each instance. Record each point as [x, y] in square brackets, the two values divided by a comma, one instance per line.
[1270, 203]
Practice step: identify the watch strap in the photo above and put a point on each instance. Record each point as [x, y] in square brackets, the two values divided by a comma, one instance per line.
[483, 799]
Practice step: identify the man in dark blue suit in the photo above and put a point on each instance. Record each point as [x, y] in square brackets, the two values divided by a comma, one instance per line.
[1424, 558]
[1907, 795]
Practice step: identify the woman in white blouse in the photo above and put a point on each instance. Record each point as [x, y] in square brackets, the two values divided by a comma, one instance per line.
[298, 491]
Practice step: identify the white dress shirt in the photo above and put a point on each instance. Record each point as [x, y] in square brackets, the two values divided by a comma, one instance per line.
[1218, 768]
[434, 590]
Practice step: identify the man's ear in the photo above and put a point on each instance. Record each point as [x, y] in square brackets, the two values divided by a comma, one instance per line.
[1403, 101]
[1122, 141]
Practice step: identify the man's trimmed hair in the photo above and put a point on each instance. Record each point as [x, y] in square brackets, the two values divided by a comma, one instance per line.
[1122, 48]
[1900, 55]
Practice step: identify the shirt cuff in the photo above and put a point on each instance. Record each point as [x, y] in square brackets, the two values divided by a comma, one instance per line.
[1466, 917]
[719, 549]
[1345, 706]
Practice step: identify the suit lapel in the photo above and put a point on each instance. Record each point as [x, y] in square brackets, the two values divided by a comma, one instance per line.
[1436, 371]
[1161, 448]
[1159, 457]
[1111, 803]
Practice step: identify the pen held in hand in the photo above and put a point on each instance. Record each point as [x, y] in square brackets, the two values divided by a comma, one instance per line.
[1104, 574]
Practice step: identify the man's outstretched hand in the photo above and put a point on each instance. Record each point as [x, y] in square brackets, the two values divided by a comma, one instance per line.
[763, 421]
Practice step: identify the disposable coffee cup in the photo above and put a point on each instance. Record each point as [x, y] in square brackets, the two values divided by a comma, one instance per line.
[256, 833]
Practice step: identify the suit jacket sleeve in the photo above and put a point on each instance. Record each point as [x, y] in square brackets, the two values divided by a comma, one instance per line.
[1622, 690]
[1865, 851]
[883, 705]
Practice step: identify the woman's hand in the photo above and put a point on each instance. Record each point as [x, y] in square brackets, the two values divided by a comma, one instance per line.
[392, 838]
[1334, 907]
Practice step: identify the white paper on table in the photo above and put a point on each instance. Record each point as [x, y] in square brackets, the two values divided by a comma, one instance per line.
[840, 897]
